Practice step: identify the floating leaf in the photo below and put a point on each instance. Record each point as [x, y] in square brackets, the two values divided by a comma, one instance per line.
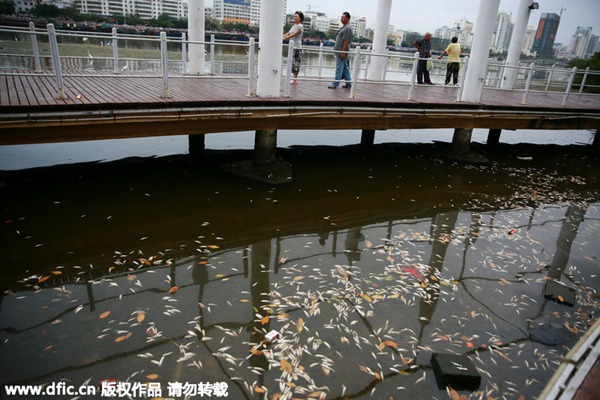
[286, 366]
[104, 314]
[124, 337]
[366, 297]
[389, 343]
[453, 394]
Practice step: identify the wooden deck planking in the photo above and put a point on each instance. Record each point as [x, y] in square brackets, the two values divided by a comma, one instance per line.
[123, 90]
[46, 90]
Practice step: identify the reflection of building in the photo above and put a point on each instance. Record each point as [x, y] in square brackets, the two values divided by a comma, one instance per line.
[545, 35]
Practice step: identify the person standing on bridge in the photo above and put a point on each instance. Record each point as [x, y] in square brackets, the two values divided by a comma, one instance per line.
[424, 47]
[295, 42]
[341, 46]
[453, 51]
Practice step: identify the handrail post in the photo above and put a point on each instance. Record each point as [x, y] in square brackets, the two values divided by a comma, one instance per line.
[585, 75]
[320, 70]
[251, 67]
[386, 62]
[212, 54]
[461, 78]
[288, 71]
[165, 64]
[35, 48]
[413, 75]
[569, 86]
[368, 61]
[115, 49]
[550, 77]
[183, 53]
[356, 72]
[501, 74]
[60, 95]
[528, 83]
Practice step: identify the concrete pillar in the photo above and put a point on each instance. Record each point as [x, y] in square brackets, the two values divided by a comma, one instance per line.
[461, 141]
[196, 144]
[516, 43]
[596, 143]
[367, 138]
[480, 51]
[196, 34]
[270, 48]
[265, 147]
[493, 137]
[382, 21]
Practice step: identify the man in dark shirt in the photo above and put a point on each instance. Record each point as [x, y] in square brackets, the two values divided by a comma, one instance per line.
[342, 44]
[424, 47]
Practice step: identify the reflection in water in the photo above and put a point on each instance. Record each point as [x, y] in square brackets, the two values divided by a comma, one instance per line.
[141, 274]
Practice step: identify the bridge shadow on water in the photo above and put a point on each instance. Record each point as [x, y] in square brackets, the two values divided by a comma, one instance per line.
[366, 262]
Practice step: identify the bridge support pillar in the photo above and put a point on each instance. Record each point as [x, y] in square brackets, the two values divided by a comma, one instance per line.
[493, 138]
[596, 143]
[196, 144]
[265, 147]
[367, 138]
[461, 141]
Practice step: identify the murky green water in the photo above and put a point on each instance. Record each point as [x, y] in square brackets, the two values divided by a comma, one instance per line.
[168, 271]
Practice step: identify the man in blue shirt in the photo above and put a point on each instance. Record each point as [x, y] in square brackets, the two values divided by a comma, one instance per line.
[342, 44]
[424, 47]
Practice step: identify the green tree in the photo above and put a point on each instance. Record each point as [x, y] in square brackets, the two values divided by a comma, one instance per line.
[45, 11]
[7, 7]
[592, 82]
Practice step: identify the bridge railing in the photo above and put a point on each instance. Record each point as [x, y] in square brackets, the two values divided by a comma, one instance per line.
[167, 58]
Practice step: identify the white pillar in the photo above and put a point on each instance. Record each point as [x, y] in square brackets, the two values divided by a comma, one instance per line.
[480, 51]
[516, 43]
[382, 21]
[270, 48]
[196, 34]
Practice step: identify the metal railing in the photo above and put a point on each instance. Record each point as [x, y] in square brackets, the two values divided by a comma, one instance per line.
[399, 68]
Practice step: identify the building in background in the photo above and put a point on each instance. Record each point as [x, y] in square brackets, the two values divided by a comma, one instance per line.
[580, 41]
[146, 9]
[502, 33]
[543, 45]
[461, 28]
[528, 41]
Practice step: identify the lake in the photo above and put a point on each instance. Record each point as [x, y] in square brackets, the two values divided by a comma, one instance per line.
[129, 263]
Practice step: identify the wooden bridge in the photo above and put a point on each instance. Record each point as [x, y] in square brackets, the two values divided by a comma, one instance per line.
[103, 105]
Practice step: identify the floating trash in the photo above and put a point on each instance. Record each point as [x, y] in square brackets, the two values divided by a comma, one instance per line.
[456, 371]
